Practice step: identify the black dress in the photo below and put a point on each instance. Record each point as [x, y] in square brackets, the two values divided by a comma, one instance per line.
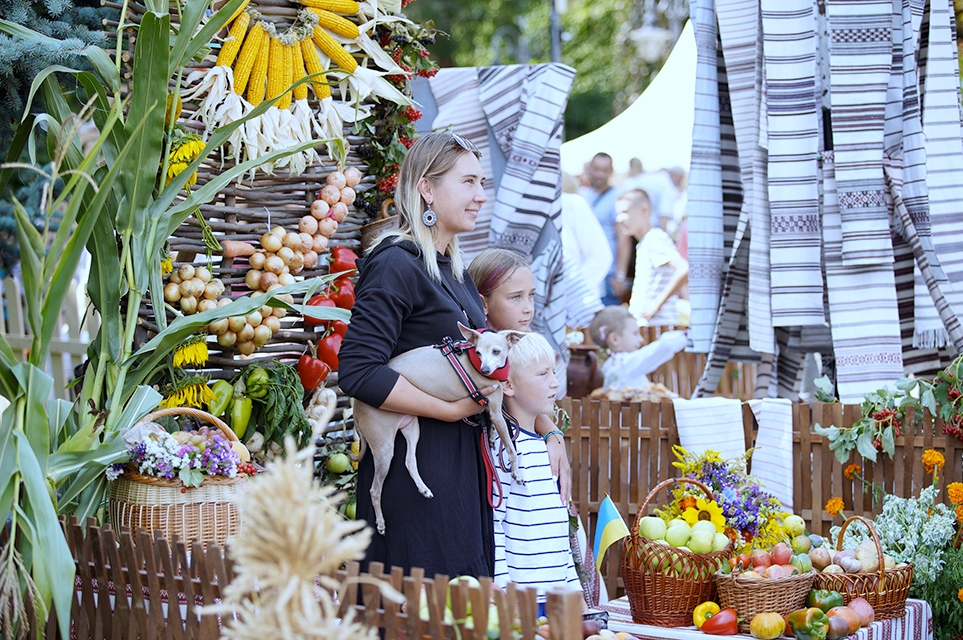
[399, 308]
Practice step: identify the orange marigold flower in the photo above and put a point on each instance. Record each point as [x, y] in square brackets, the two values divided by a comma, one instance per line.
[959, 513]
[688, 502]
[851, 471]
[933, 459]
[959, 595]
[955, 492]
[835, 506]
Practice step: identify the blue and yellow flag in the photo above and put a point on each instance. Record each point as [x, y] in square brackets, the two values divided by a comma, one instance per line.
[610, 527]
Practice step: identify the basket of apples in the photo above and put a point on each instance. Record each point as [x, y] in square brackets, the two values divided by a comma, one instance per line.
[768, 580]
[184, 483]
[668, 570]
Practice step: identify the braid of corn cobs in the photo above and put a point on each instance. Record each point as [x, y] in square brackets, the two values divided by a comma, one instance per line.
[349, 7]
[336, 24]
[330, 47]
[249, 54]
[235, 37]
[297, 70]
[256, 86]
[287, 64]
[313, 65]
[275, 81]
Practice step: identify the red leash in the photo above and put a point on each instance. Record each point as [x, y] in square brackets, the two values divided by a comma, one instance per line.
[490, 478]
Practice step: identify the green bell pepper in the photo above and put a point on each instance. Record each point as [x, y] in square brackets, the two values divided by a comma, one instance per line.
[257, 382]
[824, 599]
[809, 624]
[241, 416]
[223, 396]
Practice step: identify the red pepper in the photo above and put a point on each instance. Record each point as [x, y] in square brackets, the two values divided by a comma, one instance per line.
[328, 350]
[342, 259]
[339, 327]
[312, 370]
[320, 300]
[342, 292]
[724, 623]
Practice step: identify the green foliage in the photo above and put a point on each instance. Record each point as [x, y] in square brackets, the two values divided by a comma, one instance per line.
[944, 595]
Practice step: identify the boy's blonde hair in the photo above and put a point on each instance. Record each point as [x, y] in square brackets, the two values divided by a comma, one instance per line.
[431, 156]
[530, 349]
[609, 320]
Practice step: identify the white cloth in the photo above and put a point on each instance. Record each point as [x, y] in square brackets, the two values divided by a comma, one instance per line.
[628, 368]
[532, 546]
[711, 423]
[652, 275]
[661, 191]
[583, 241]
[772, 460]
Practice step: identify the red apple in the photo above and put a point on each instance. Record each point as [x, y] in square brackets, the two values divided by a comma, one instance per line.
[761, 558]
[775, 571]
[781, 553]
[791, 569]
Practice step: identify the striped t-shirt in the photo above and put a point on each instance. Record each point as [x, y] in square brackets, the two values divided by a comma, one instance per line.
[532, 546]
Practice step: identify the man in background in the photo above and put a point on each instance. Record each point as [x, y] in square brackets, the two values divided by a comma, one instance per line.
[601, 195]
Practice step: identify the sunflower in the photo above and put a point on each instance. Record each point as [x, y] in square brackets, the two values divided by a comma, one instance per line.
[706, 510]
[192, 351]
[189, 392]
[955, 492]
[185, 147]
[167, 265]
[933, 460]
[851, 471]
[835, 506]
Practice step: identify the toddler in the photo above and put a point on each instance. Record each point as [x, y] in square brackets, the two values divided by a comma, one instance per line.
[616, 329]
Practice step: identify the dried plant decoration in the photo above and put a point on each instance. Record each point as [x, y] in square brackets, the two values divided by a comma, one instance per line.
[291, 542]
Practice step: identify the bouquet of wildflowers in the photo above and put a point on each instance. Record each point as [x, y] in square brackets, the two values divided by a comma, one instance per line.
[184, 456]
[753, 518]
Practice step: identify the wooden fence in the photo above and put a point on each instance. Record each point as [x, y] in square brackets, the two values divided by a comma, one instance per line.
[165, 587]
[78, 325]
[624, 449]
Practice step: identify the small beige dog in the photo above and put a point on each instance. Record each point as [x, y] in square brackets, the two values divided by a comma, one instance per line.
[429, 369]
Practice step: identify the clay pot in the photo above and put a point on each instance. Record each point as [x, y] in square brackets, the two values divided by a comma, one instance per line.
[583, 371]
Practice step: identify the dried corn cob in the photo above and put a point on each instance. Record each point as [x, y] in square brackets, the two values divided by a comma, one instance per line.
[238, 11]
[297, 71]
[313, 65]
[275, 80]
[287, 58]
[330, 47]
[255, 89]
[234, 40]
[349, 7]
[249, 54]
[336, 24]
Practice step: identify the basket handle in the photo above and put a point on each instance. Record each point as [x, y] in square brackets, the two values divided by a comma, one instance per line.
[664, 484]
[872, 531]
[196, 413]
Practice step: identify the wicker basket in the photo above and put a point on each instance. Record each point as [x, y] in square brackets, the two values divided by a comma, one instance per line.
[207, 513]
[886, 589]
[750, 596]
[665, 584]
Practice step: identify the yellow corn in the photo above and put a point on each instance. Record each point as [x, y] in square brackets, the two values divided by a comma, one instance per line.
[275, 79]
[238, 11]
[297, 71]
[249, 54]
[330, 47]
[233, 42]
[349, 7]
[255, 89]
[336, 24]
[287, 61]
[313, 65]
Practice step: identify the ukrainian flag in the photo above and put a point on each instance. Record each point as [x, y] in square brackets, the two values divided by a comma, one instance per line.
[610, 527]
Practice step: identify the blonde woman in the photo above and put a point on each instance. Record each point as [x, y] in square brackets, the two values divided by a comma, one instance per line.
[413, 291]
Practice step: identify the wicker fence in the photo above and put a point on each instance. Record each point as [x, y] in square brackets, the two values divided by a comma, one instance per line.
[624, 449]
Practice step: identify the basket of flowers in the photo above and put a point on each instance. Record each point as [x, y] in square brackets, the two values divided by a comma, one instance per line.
[664, 583]
[183, 483]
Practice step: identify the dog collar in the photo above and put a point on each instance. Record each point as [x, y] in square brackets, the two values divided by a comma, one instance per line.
[500, 374]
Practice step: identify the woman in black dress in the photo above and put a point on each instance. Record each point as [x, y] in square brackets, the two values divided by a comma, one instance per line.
[412, 291]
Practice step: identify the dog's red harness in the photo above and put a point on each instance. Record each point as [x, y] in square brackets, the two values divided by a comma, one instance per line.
[451, 350]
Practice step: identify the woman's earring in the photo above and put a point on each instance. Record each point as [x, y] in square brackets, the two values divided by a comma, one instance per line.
[429, 217]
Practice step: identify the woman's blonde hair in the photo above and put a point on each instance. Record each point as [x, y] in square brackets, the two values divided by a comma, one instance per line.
[431, 156]
[490, 268]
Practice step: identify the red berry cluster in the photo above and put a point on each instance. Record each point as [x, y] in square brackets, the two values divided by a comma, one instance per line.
[954, 427]
[248, 468]
[411, 113]
[889, 416]
[387, 185]
[953, 394]
[406, 141]
[405, 3]
[428, 73]
[397, 78]
[878, 444]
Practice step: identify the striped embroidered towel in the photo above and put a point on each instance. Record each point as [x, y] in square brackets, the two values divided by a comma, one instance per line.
[710, 423]
[772, 461]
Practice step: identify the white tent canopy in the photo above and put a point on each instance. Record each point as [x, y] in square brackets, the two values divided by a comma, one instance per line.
[656, 128]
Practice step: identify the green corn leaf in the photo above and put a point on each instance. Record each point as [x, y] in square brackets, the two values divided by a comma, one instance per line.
[17, 145]
[37, 387]
[8, 454]
[62, 465]
[58, 412]
[91, 498]
[144, 400]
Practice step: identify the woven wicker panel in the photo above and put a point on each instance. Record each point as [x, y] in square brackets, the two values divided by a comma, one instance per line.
[750, 596]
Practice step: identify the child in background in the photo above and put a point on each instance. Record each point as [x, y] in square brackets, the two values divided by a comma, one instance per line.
[616, 329]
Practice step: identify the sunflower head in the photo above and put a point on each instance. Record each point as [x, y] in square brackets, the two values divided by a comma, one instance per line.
[191, 352]
[706, 510]
[191, 391]
[166, 265]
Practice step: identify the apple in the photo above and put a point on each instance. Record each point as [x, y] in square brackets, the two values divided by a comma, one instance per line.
[801, 544]
[820, 558]
[720, 541]
[760, 558]
[802, 561]
[753, 575]
[775, 571]
[863, 609]
[678, 534]
[794, 525]
[701, 541]
[849, 615]
[472, 583]
[704, 525]
[781, 553]
[652, 527]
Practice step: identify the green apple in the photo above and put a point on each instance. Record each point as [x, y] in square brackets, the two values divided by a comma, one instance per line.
[704, 525]
[701, 541]
[794, 525]
[472, 583]
[678, 535]
[801, 544]
[652, 527]
[802, 562]
[719, 542]
[675, 522]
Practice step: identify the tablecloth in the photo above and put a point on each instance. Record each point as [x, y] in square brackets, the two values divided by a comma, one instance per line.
[917, 624]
